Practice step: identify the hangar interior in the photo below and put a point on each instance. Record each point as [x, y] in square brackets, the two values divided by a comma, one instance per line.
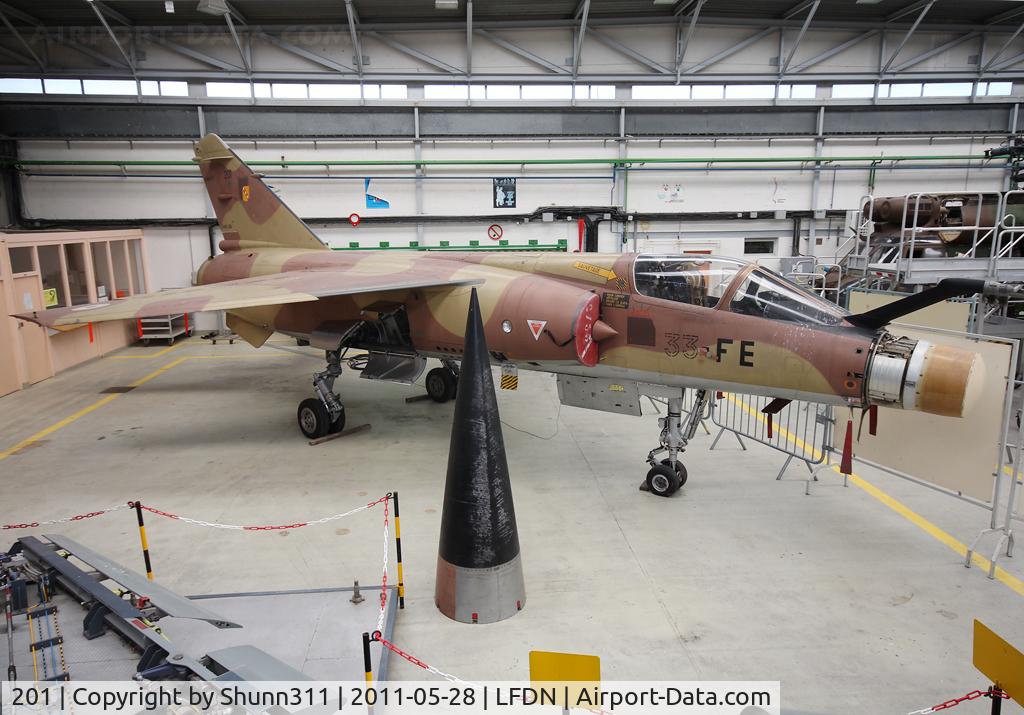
[864, 151]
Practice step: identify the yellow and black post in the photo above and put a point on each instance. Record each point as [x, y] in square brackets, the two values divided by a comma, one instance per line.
[398, 552]
[367, 667]
[142, 537]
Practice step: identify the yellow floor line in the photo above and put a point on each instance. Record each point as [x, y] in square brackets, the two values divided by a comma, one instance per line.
[1014, 583]
[46, 431]
[151, 356]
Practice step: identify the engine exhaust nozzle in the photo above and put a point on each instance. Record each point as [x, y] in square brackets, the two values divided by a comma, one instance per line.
[920, 375]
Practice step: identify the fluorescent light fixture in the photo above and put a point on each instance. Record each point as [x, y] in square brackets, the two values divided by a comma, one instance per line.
[446, 4]
[665, 2]
[868, 2]
[213, 7]
[169, 6]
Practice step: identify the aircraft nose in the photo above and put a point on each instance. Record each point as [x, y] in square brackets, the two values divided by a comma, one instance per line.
[920, 375]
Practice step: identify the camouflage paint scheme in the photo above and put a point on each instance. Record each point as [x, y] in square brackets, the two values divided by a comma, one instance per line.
[276, 275]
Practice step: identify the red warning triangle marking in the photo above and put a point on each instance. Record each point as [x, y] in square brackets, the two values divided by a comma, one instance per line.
[536, 327]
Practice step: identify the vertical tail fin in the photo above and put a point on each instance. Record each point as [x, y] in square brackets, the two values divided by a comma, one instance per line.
[250, 214]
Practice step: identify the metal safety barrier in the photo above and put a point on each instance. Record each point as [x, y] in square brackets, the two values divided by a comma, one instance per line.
[800, 429]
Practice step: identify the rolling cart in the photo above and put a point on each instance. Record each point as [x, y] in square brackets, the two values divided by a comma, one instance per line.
[164, 327]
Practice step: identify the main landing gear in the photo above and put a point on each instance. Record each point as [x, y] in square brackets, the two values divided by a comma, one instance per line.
[665, 477]
[442, 383]
[324, 414]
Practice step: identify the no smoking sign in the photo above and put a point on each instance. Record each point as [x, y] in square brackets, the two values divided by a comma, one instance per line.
[494, 232]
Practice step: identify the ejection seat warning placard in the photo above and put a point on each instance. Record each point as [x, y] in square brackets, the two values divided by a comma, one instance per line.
[505, 193]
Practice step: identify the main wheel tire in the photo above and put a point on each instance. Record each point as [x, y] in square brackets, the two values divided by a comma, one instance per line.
[338, 424]
[441, 384]
[680, 470]
[314, 419]
[663, 480]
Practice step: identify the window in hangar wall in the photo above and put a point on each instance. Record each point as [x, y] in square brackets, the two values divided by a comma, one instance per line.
[759, 246]
[52, 273]
[76, 271]
[21, 259]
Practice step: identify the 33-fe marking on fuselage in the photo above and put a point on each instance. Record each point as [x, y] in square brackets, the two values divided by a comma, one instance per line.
[677, 345]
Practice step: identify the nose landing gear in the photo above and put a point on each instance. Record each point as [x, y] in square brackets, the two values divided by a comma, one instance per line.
[324, 414]
[665, 477]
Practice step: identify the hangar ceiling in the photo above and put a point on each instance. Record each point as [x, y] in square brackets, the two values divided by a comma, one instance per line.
[895, 13]
[249, 40]
[361, 43]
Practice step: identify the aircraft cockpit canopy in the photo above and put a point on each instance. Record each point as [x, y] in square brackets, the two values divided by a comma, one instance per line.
[705, 281]
[686, 279]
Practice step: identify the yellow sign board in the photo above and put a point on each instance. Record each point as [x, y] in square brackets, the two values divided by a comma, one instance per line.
[50, 297]
[570, 674]
[999, 661]
[608, 275]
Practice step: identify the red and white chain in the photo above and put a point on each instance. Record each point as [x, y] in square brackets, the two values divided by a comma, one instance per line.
[278, 527]
[384, 576]
[417, 662]
[66, 519]
[973, 695]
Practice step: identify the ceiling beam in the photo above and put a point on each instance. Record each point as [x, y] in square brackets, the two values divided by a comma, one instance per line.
[730, 51]
[794, 12]
[412, 52]
[944, 47]
[305, 54]
[239, 17]
[96, 8]
[22, 41]
[581, 32]
[16, 56]
[924, 6]
[238, 42]
[832, 52]
[20, 15]
[908, 10]
[90, 52]
[999, 53]
[353, 29]
[684, 42]
[110, 12]
[1003, 17]
[517, 50]
[187, 51]
[1006, 64]
[683, 7]
[812, 7]
[629, 52]
[469, 39]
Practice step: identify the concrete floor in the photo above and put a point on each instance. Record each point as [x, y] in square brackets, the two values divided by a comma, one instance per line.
[851, 605]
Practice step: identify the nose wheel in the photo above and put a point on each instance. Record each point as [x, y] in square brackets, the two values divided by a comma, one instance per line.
[666, 477]
[315, 421]
[324, 414]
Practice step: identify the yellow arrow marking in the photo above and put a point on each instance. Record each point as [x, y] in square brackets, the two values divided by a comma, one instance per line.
[605, 273]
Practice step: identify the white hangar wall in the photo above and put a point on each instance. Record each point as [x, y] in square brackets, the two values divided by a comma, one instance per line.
[175, 192]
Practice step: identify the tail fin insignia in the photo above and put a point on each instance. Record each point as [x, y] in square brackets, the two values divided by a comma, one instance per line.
[250, 214]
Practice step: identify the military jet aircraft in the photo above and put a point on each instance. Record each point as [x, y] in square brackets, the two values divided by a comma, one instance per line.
[612, 327]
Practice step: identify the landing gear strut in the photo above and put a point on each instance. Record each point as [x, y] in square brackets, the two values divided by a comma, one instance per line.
[323, 414]
[442, 383]
[665, 477]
